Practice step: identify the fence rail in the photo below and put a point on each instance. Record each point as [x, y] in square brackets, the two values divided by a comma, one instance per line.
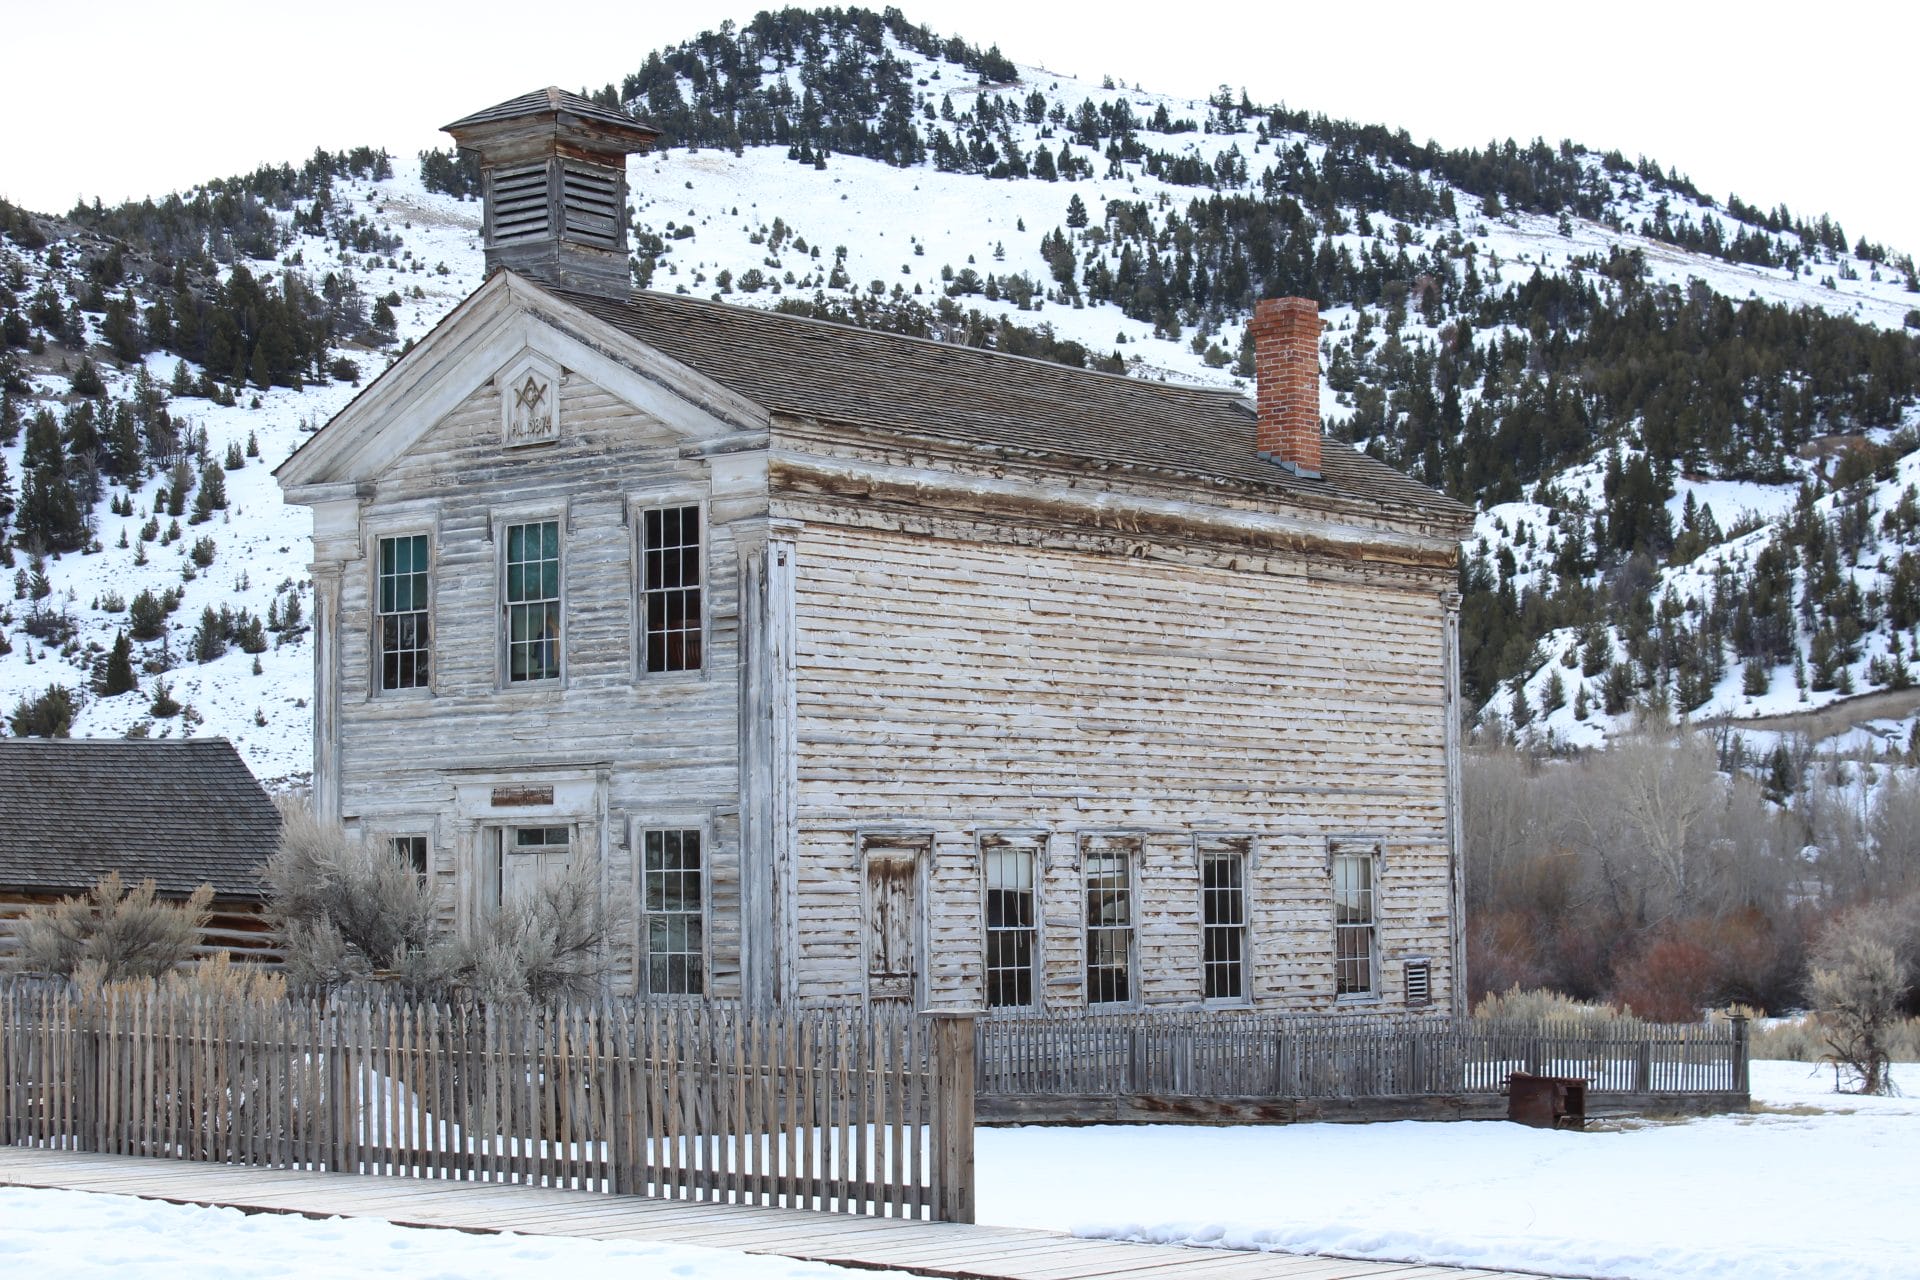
[1218, 1054]
[829, 1109]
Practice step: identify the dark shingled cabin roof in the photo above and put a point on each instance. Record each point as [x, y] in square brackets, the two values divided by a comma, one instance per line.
[180, 813]
[937, 390]
[551, 100]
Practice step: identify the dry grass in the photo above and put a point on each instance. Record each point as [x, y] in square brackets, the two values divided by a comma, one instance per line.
[1803, 1040]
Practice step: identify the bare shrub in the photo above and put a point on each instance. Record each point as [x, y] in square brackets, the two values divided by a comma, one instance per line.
[351, 910]
[550, 946]
[1858, 983]
[1540, 1005]
[112, 932]
[346, 908]
[1668, 980]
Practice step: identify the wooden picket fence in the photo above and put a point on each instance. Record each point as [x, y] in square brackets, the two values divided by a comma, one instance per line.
[1025, 1060]
[829, 1109]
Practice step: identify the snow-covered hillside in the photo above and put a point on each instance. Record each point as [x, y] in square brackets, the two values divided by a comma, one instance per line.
[758, 228]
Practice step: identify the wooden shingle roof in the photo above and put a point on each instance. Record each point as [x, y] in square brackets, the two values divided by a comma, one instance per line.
[936, 390]
[178, 812]
[551, 100]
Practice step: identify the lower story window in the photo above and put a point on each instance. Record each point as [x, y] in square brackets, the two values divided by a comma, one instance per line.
[1354, 923]
[1011, 933]
[1107, 861]
[1223, 925]
[412, 850]
[672, 894]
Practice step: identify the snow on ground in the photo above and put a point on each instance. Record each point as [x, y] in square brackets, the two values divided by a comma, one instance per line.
[76, 1235]
[1812, 1184]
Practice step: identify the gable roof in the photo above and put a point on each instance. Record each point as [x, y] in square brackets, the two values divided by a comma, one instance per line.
[938, 390]
[178, 812]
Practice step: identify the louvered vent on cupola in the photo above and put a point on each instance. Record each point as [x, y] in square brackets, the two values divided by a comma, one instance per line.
[517, 209]
[553, 171]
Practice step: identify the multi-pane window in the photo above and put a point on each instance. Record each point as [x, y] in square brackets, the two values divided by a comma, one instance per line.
[670, 588]
[528, 858]
[1223, 925]
[412, 850]
[533, 601]
[1011, 934]
[1353, 923]
[405, 661]
[1109, 894]
[671, 891]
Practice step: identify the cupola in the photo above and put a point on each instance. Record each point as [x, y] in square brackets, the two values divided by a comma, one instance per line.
[553, 180]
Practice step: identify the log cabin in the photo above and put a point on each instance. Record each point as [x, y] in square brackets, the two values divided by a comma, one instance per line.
[179, 813]
[875, 669]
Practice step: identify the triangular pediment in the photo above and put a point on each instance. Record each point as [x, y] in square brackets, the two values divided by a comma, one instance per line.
[512, 334]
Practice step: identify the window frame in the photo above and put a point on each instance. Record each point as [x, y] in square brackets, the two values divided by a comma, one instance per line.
[1239, 847]
[639, 507]
[422, 869]
[1130, 862]
[1034, 843]
[377, 653]
[1368, 853]
[502, 520]
[637, 831]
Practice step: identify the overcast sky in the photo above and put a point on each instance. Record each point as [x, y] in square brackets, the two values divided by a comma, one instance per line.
[1812, 105]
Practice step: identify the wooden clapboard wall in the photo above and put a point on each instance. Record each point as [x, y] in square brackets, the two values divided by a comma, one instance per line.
[966, 674]
[652, 748]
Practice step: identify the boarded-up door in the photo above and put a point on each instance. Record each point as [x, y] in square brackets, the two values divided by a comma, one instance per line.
[893, 921]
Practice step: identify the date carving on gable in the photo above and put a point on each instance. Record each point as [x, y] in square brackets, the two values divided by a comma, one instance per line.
[530, 403]
[532, 417]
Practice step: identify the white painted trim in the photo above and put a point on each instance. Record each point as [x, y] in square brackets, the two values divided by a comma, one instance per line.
[507, 318]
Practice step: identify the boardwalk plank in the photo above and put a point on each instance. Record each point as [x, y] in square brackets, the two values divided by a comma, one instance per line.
[916, 1247]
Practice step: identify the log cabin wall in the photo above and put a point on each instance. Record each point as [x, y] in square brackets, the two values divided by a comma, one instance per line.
[606, 750]
[959, 676]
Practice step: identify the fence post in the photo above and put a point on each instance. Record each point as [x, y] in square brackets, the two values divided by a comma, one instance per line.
[1742, 1054]
[951, 1141]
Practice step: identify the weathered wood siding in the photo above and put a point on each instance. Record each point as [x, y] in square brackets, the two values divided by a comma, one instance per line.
[962, 683]
[644, 748]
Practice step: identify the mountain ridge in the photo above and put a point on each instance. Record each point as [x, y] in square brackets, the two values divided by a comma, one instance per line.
[1443, 331]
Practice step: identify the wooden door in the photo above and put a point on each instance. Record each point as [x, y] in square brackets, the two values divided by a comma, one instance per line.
[893, 941]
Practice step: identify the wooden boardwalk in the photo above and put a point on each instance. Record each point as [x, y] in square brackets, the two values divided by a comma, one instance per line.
[950, 1250]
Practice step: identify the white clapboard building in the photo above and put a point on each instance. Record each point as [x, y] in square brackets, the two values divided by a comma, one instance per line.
[873, 668]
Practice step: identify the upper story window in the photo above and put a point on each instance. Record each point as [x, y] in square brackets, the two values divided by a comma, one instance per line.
[670, 586]
[533, 601]
[1354, 923]
[405, 645]
[1107, 863]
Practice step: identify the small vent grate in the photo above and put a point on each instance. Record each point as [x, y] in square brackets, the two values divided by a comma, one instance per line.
[591, 199]
[1419, 982]
[520, 204]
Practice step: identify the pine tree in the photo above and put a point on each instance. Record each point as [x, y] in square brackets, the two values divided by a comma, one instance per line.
[119, 676]
[1076, 211]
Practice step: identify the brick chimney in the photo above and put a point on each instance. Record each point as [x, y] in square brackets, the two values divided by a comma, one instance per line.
[1286, 366]
[553, 178]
